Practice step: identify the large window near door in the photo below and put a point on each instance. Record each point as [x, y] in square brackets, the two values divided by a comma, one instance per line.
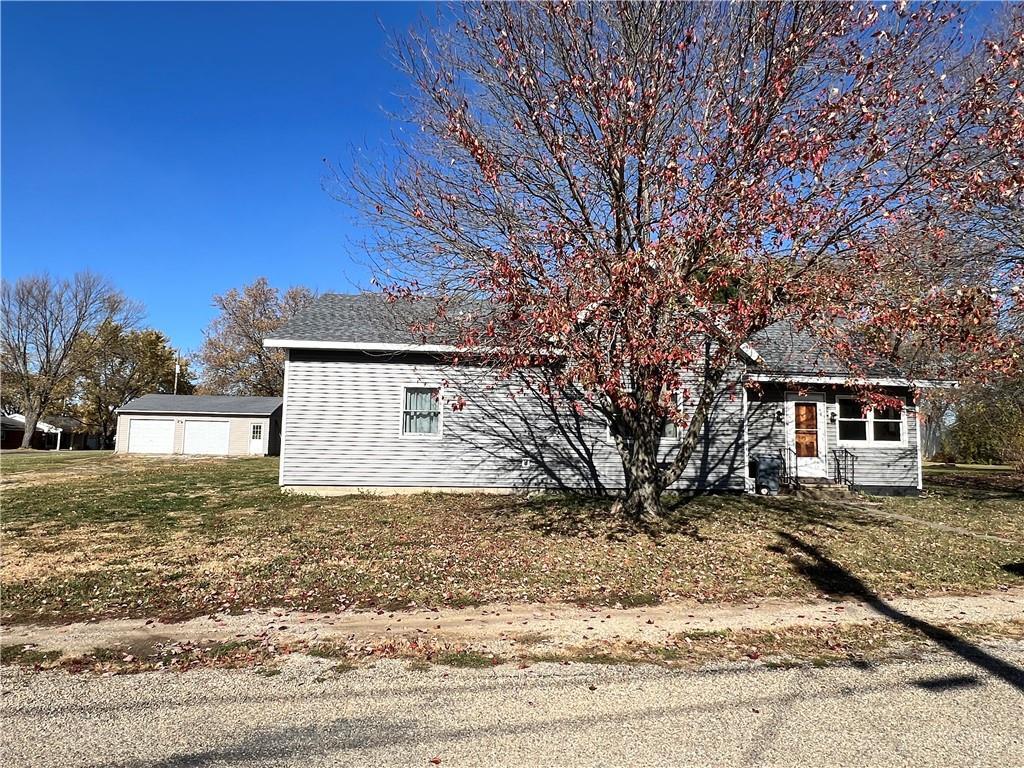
[876, 425]
[887, 425]
[853, 422]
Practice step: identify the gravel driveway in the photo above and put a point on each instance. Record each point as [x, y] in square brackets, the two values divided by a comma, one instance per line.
[940, 711]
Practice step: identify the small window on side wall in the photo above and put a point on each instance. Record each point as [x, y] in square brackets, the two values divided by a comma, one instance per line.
[421, 411]
[257, 431]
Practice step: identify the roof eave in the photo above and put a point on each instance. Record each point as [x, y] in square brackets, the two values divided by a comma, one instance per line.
[877, 381]
[137, 412]
[356, 346]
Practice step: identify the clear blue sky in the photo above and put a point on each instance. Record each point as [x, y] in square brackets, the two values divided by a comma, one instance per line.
[177, 148]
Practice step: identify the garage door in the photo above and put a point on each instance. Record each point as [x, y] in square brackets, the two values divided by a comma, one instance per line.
[151, 436]
[207, 437]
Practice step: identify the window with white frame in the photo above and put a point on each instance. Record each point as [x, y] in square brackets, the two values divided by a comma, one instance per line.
[887, 425]
[257, 431]
[421, 411]
[875, 425]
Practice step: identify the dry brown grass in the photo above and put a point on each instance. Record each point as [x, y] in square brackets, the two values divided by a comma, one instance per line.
[110, 536]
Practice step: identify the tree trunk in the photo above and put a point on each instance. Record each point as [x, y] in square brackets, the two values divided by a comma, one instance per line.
[642, 499]
[31, 419]
[645, 480]
[712, 380]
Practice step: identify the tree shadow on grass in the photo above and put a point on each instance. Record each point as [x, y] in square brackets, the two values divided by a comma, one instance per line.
[979, 486]
[1016, 569]
[592, 516]
[829, 576]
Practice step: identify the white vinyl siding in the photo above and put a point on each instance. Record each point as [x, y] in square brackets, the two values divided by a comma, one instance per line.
[342, 428]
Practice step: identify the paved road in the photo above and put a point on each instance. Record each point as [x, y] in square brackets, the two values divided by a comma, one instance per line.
[942, 712]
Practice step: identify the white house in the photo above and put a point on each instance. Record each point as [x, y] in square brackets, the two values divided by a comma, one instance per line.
[365, 408]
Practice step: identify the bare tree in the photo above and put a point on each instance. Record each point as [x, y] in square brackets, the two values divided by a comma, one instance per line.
[49, 327]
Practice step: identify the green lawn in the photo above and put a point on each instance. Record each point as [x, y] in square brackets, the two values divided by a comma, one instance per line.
[19, 462]
[89, 534]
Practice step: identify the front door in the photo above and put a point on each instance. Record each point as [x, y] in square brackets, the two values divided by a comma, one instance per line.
[805, 434]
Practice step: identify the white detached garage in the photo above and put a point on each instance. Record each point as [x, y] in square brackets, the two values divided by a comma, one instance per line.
[201, 425]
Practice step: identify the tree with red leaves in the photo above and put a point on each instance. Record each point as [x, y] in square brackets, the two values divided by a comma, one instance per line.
[625, 193]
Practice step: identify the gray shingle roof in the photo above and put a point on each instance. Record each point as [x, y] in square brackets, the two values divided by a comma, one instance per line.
[366, 318]
[787, 351]
[204, 404]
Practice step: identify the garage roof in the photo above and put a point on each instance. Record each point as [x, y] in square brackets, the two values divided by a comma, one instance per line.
[224, 405]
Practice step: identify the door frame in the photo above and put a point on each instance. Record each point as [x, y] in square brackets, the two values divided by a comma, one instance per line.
[264, 437]
[808, 467]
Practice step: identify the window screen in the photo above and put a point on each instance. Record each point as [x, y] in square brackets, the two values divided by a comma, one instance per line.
[421, 413]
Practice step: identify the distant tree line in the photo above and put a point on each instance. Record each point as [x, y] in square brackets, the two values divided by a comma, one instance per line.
[988, 426]
[73, 347]
[76, 347]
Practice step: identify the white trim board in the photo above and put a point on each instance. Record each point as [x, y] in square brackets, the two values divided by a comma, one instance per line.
[198, 414]
[877, 382]
[358, 346]
[377, 346]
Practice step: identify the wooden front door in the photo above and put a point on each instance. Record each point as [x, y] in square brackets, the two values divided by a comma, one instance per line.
[805, 434]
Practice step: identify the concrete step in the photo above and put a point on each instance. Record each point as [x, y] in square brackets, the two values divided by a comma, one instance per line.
[820, 490]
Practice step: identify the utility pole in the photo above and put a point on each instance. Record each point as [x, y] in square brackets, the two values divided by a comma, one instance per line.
[177, 370]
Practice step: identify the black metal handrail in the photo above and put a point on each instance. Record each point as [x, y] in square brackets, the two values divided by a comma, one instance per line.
[790, 469]
[846, 466]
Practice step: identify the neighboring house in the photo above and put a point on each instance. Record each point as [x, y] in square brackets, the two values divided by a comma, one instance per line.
[75, 435]
[45, 437]
[211, 425]
[367, 407]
